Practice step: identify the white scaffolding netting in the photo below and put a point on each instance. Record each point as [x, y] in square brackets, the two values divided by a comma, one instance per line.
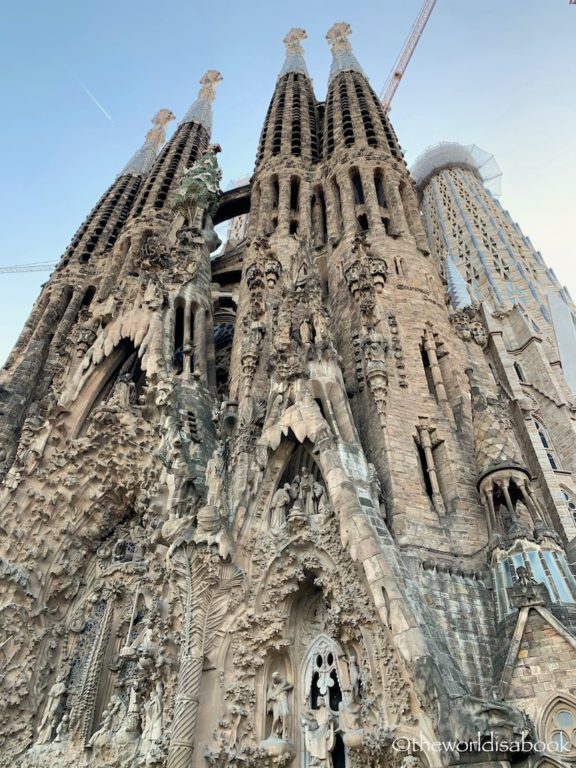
[449, 154]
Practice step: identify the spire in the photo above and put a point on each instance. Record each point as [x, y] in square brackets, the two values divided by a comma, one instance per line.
[294, 61]
[144, 158]
[201, 110]
[457, 288]
[343, 58]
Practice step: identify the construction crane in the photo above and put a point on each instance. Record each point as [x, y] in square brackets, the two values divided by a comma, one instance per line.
[35, 266]
[403, 60]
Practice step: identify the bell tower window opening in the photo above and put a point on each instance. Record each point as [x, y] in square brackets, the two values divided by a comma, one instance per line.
[347, 126]
[88, 296]
[357, 187]
[365, 114]
[337, 197]
[294, 194]
[379, 186]
[223, 338]
[178, 354]
[274, 201]
[296, 119]
[279, 119]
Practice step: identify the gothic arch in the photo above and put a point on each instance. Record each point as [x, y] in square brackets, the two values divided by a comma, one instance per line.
[551, 728]
[99, 384]
[137, 326]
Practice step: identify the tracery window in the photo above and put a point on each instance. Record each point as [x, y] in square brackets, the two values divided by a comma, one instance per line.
[547, 444]
[570, 501]
[561, 729]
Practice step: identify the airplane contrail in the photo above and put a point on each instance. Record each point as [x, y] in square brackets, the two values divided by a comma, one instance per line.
[91, 96]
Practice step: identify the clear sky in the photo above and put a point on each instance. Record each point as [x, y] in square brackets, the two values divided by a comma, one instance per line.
[497, 73]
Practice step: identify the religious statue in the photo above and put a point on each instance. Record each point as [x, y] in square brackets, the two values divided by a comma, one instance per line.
[153, 709]
[295, 495]
[103, 731]
[350, 720]
[354, 675]
[306, 491]
[62, 728]
[318, 726]
[280, 503]
[129, 730]
[278, 706]
[53, 705]
[321, 505]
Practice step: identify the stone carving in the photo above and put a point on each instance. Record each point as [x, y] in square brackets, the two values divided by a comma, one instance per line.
[350, 721]
[153, 708]
[337, 36]
[199, 186]
[279, 506]
[292, 42]
[525, 590]
[319, 736]
[375, 349]
[209, 81]
[278, 706]
[462, 717]
[187, 250]
[469, 326]
[52, 713]
[204, 584]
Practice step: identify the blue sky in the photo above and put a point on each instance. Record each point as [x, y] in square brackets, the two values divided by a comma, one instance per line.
[497, 73]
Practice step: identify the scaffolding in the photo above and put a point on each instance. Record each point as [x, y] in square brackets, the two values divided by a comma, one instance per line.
[448, 154]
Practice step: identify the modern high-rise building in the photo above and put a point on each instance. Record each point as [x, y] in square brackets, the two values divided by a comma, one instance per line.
[301, 503]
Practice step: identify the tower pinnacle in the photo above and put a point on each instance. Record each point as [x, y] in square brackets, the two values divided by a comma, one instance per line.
[144, 158]
[294, 61]
[457, 288]
[343, 58]
[201, 110]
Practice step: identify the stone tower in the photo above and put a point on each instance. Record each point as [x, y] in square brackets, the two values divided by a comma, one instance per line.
[468, 229]
[286, 505]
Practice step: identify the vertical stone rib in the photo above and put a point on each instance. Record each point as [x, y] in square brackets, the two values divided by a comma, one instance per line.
[185, 712]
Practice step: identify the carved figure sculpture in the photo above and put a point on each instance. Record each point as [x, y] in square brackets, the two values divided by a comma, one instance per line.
[280, 503]
[153, 709]
[278, 705]
[318, 726]
[354, 675]
[48, 723]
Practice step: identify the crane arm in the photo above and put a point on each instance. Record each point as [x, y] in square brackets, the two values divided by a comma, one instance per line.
[409, 46]
[37, 266]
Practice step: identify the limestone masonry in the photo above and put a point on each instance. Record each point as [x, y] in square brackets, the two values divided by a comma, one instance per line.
[309, 502]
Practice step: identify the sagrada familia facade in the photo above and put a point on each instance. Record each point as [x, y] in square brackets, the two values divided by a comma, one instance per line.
[311, 501]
